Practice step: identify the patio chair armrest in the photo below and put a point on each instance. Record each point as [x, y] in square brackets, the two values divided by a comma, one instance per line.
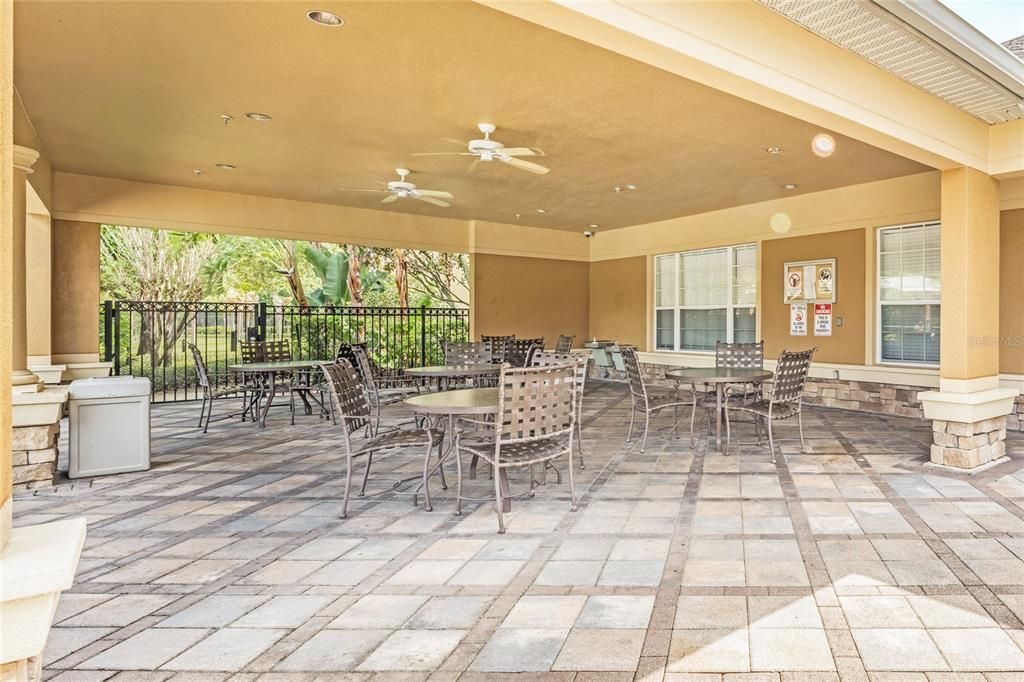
[461, 424]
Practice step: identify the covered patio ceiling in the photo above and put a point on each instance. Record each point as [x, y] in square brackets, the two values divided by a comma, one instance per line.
[136, 91]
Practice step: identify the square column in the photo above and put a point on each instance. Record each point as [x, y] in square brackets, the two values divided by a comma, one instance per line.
[969, 410]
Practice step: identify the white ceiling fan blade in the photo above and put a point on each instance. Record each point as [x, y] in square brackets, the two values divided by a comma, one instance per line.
[526, 165]
[359, 189]
[522, 151]
[389, 199]
[435, 193]
[441, 154]
[435, 202]
[454, 141]
[473, 166]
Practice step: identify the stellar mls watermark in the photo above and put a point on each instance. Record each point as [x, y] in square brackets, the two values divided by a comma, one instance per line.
[1009, 341]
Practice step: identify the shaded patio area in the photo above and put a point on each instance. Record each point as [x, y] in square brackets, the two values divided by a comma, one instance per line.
[229, 559]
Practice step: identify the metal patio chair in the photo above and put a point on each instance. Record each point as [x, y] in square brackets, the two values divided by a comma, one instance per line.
[468, 353]
[785, 400]
[350, 405]
[581, 359]
[518, 351]
[497, 346]
[213, 389]
[564, 343]
[732, 356]
[383, 390]
[647, 401]
[535, 424]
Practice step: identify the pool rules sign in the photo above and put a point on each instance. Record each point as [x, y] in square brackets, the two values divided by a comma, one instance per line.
[823, 319]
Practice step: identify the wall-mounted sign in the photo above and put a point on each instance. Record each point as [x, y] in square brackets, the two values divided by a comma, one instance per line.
[798, 319]
[823, 319]
[810, 281]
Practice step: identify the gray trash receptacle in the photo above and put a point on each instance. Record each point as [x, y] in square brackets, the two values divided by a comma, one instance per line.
[109, 430]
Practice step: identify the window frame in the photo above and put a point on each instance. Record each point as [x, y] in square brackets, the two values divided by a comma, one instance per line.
[676, 308]
[924, 302]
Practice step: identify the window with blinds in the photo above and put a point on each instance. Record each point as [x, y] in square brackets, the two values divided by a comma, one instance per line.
[909, 293]
[705, 296]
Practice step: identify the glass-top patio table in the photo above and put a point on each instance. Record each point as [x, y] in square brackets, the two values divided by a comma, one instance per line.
[264, 385]
[719, 377]
[449, 405]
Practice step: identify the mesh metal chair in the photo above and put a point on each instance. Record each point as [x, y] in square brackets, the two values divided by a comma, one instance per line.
[733, 356]
[647, 402]
[580, 359]
[251, 351]
[785, 400]
[535, 424]
[497, 345]
[383, 390]
[350, 406]
[467, 353]
[217, 385]
[564, 343]
[518, 351]
[277, 351]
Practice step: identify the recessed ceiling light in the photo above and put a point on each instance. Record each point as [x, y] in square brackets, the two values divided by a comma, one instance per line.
[542, 210]
[624, 188]
[227, 118]
[823, 144]
[324, 18]
[196, 172]
[773, 150]
[789, 185]
[593, 226]
[226, 166]
[256, 116]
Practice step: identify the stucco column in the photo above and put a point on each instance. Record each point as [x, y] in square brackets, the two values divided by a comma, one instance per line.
[22, 380]
[969, 409]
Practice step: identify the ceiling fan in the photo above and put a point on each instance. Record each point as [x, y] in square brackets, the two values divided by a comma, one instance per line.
[402, 189]
[490, 150]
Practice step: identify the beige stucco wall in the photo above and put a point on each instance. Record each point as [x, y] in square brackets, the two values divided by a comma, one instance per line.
[970, 274]
[38, 292]
[1011, 292]
[530, 297]
[76, 290]
[42, 171]
[618, 300]
[6, 227]
[846, 345]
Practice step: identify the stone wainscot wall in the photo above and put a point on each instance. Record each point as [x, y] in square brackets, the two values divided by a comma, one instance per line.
[895, 399]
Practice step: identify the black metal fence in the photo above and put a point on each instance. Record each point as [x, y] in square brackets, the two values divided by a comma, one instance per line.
[148, 338]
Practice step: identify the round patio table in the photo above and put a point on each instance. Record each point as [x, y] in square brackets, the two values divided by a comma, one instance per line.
[462, 402]
[266, 386]
[719, 377]
[445, 373]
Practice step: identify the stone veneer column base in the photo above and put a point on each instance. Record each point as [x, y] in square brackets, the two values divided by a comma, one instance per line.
[34, 456]
[966, 445]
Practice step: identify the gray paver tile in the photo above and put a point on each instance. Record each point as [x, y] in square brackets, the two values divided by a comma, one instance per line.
[601, 650]
[515, 650]
[147, 650]
[228, 649]
[413, 650]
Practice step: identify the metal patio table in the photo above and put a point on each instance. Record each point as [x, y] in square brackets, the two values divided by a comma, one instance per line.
[478, 402]
[719, 377]
[263, 374]
[445, 373]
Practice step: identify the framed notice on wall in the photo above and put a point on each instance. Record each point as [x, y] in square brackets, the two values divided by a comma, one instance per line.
[810, 281]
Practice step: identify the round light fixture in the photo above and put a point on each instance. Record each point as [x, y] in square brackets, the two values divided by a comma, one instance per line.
[631, 187]
[773, 150]
[324, 18]
[780, 223]
[789, 185]
[593, 226]
[256, 116]
[226, 166]
[823, 144]
[542, 210]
